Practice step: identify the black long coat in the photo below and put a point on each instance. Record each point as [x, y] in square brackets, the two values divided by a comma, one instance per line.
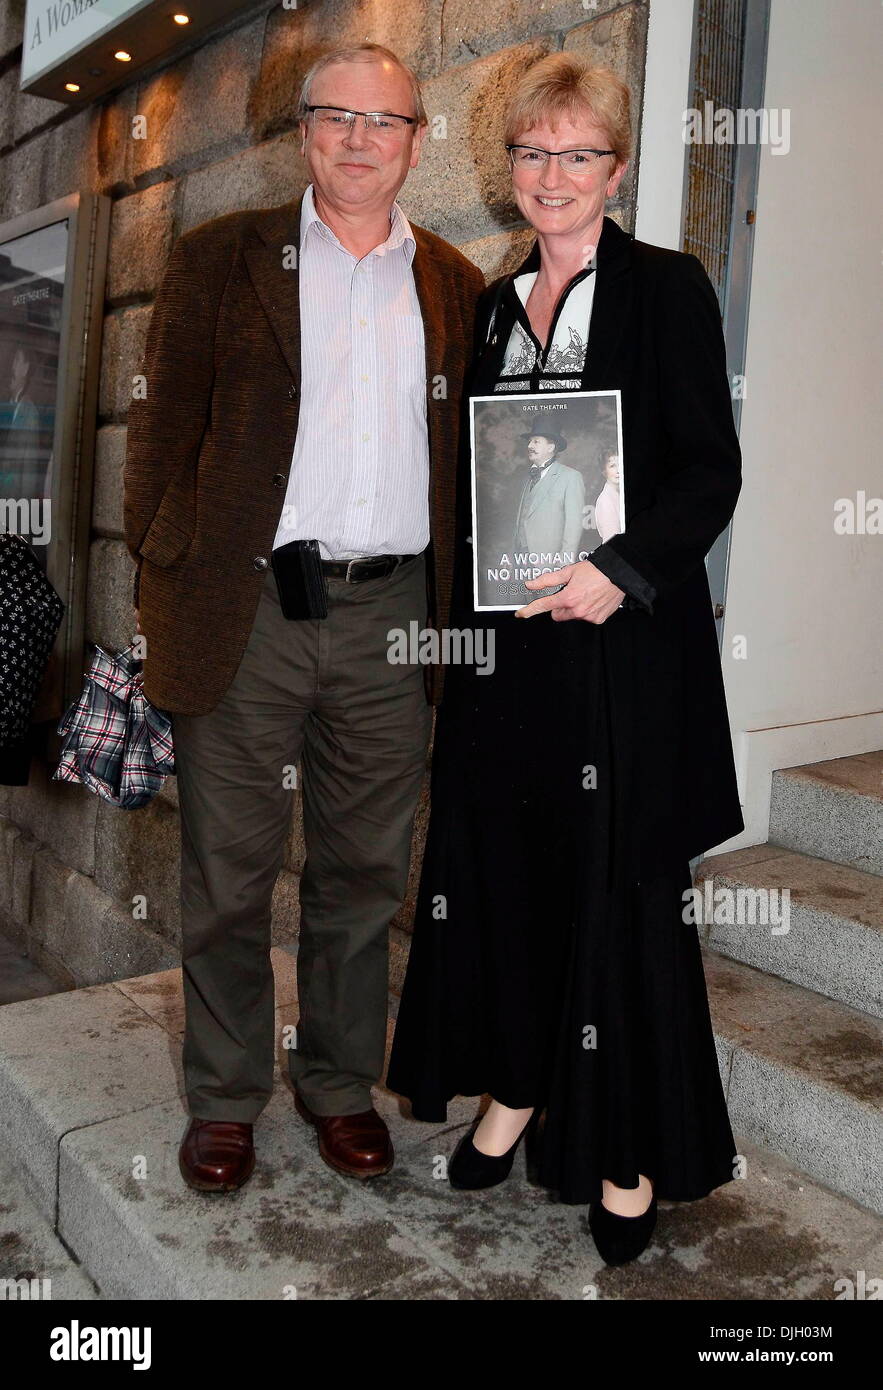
[656, 334]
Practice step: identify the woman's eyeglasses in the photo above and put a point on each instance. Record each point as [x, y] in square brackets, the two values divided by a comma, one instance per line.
[572, 161]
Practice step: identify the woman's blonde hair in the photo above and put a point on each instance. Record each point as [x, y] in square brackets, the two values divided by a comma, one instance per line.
[568, 87]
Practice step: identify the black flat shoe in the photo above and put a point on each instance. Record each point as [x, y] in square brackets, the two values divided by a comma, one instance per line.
[621, 1238]
[469, 1169]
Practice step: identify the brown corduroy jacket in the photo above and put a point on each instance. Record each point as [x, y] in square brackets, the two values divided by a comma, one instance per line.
[211, 434]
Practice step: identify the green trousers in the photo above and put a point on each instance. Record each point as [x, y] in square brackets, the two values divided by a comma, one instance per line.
[321, 696]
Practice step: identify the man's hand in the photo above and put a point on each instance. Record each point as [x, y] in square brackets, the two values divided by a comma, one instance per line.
[138, 623]
[587, 594]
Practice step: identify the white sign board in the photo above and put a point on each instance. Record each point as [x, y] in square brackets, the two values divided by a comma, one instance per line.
[56, 29]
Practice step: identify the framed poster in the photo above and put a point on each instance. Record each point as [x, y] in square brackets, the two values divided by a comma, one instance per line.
[547, 487]
[52, 270]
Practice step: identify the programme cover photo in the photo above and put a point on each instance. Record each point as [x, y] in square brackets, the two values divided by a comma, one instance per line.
[547, 488]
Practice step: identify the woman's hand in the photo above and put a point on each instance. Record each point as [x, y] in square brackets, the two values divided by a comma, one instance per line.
[587, 594]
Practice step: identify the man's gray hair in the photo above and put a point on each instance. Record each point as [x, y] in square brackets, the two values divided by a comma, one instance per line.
[361, 53]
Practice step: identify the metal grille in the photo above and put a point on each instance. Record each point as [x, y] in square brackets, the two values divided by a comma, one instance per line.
[717, 78]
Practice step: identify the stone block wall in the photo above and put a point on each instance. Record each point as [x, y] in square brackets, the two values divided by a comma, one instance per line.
[221, 135]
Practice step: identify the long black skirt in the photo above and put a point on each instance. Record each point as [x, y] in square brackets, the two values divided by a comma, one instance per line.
[545, 969]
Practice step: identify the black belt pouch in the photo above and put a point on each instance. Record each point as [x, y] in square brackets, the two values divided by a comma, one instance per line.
[303, 588]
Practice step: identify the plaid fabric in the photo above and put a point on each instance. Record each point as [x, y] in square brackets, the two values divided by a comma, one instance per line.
[116, 741]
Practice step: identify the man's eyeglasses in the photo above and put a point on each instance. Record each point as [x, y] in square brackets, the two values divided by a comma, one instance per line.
[337, 118]
[572, 161]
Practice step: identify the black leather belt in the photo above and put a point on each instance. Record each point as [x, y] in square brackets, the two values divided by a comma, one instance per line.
[364, 567]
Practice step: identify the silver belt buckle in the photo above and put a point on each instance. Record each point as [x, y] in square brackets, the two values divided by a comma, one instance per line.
[358, 560]
[361, 559]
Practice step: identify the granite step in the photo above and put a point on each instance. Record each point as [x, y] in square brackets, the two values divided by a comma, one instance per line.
[832, 810]
[91, 1093]
[803, 1075]
[34, 1263]
[808, 920]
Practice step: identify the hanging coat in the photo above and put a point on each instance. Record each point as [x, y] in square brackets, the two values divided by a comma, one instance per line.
[30, 615]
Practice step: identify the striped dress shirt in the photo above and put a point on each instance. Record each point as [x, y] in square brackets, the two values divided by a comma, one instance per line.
[359, 480]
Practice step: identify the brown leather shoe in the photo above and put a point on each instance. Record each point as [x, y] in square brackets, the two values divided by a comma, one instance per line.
[216, 1155]
[358, 1145]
